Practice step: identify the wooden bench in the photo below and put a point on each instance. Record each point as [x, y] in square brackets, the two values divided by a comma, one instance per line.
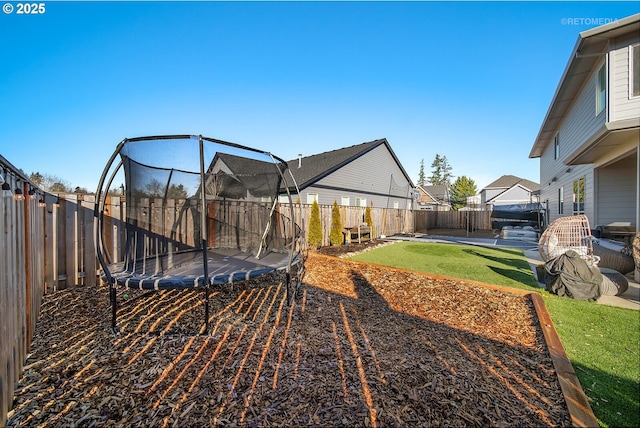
[360, 233]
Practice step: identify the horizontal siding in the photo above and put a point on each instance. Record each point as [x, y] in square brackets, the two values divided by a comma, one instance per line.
[617, 192]
[515, 195]
[622, 105]
[580, 124]
[373, 176]
[489, 194]
[550, 192]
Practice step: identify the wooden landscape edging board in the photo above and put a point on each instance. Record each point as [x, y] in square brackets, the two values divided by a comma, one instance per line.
[574, 396]
[577, 401]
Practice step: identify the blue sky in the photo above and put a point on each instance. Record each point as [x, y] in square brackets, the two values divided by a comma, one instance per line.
[471, 81]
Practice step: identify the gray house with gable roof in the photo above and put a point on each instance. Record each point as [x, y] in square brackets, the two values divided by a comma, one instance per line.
[509, 190]
[367, 174]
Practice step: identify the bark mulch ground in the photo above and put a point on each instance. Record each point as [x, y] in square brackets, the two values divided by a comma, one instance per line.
[362, 345]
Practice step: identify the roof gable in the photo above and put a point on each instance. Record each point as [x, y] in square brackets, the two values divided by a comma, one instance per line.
[508, 181]
[508, 191]
[438, 192]
[315, 167]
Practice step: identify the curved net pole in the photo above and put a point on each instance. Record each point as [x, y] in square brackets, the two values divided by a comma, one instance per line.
[204, 233]
[109, 183]
[263, 241]
[98, 234]
[294, 235]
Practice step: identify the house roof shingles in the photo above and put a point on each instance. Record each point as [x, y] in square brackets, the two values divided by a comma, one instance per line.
[438, 192]
[318, 166]
[508, 181]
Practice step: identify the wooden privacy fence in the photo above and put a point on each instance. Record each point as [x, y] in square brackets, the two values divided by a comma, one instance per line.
[70, 248]
[470, 220]
[22, 261]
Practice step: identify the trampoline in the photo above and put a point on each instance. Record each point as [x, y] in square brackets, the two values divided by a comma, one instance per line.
[200, 213]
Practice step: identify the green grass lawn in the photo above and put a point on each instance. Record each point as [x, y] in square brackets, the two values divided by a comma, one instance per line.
[602, 342]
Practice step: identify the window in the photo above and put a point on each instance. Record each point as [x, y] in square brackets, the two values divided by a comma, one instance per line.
[556, 146]
[265, 199]
[578, 196]
[601, 89]
[561, 200]
[361, 202]
[395, 205]
[634, 71]
[312, 197]
[345, 201]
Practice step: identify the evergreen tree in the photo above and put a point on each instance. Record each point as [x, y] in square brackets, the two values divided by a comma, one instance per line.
[440, 171]
[335, 237]
[462, 188]
[368, 220]
[315, 227]
[421, 176]
[50, 183]
[177, 192]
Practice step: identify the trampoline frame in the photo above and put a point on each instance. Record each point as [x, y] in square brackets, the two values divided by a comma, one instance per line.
[293, 269]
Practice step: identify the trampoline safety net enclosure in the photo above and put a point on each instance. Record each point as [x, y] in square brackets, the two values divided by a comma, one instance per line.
[200, 212]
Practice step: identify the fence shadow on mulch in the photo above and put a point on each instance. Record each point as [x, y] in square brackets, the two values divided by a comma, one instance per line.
[342, 354]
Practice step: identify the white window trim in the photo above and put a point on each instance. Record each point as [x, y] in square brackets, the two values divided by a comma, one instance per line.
[576, 196]
[606, 91]
[561, 200]
[556, 146]
[312, 197]
[345, 201]
[631, 70]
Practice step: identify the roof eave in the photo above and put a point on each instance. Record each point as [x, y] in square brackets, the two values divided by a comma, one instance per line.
[584, 54]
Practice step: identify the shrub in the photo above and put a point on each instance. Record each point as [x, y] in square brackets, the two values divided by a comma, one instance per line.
[368, 220]
[335, 237]
[315, 227]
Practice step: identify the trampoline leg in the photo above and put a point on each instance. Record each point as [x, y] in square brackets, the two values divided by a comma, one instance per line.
[112, 297]
[287, 280]
[206, 309]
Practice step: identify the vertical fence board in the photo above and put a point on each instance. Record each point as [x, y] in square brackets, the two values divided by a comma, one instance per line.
[89, 259]
[6, 303]
[71, 237]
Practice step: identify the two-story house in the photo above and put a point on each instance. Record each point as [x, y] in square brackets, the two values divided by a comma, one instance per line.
[588, 143]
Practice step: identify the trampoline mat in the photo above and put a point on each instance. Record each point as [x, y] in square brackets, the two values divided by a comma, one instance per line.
[185, 270]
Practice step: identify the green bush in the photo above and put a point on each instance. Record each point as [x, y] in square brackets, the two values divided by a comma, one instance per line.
[315, 227]
[368, 220]
[335, 237]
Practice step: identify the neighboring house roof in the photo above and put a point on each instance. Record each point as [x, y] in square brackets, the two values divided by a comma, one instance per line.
[586, 53]
[237, 176]
[316, 167]
[425, 197]
[508, 181]
[438, 193]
